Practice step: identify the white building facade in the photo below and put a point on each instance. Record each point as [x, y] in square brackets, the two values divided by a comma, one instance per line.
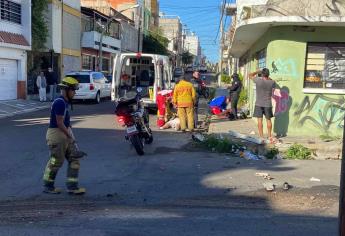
[192, 44]
[15, 41]
[172, 30]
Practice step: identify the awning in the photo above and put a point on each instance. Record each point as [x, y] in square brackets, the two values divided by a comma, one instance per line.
[11, 38]
[249, 31]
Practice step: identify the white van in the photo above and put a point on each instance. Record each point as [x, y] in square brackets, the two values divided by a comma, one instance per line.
[150, 71]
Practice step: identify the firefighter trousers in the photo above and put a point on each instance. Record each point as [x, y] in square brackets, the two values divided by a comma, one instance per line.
[60, 148]
[186, 115]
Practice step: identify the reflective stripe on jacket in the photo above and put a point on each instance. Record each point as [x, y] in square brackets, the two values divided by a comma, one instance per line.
[184, 94]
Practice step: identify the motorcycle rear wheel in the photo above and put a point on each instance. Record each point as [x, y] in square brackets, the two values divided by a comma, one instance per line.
[138, 144]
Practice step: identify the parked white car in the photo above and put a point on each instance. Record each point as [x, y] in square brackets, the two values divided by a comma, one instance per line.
[92, 85]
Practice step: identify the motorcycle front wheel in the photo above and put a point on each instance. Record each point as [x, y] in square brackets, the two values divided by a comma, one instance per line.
[137, 144]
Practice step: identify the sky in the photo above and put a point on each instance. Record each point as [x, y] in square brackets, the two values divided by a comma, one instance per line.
[201, 17]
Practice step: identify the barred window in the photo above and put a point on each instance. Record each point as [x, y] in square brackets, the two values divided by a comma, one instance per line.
[261, 59]
[325, 66]
[86, 62]
[10, 11]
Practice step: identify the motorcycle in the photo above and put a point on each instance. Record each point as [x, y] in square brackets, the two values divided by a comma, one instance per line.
[132, 115]
[203, 90]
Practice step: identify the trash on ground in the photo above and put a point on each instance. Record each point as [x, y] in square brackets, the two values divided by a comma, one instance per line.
[252, 133]
[246, 137]
[264, 175]
[269, 186]
[249, 155]
[315, 179]
[198, 137]
[312, 198]
[286, 186]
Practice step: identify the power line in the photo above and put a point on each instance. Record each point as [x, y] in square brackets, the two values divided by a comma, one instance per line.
[221, 19]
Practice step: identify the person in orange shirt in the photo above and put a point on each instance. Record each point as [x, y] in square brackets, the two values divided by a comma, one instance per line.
[184, 99]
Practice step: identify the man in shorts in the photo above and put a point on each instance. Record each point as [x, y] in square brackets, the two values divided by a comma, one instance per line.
[263, 103]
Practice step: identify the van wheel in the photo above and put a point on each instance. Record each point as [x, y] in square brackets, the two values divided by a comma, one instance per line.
[98, 98]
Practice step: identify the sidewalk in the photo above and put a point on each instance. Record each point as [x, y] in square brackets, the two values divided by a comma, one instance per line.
[248, 127]
[14, 107]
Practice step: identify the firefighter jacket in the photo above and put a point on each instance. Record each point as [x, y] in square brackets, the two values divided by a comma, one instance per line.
[184, 94]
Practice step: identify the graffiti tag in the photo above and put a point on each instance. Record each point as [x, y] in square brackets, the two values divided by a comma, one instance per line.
[287, 67]
[329, 111]
[281, 101]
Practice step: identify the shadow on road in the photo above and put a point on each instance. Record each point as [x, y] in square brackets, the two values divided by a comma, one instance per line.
[169, 191]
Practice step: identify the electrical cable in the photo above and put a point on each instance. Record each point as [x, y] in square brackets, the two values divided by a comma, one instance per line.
[221, 19]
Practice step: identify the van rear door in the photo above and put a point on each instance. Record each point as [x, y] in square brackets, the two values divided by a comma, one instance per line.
[116, 77]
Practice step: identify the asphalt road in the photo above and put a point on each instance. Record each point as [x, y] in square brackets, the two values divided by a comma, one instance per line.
[165, 192]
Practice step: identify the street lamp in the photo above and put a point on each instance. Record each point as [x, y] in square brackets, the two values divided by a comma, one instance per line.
[105, 27]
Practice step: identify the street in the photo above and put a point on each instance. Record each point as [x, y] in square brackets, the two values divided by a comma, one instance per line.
[174, 189]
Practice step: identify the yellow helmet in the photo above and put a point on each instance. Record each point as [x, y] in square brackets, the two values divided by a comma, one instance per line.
[69, 83]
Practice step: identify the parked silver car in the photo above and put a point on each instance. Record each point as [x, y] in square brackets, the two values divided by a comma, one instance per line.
[92, 85]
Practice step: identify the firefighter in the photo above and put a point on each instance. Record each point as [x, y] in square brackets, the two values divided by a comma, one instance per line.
[184, 98]
[61, 142]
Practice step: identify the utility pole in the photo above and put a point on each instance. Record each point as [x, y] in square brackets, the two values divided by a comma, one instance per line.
[61, 53]
[220, 66]
[341, 217]
[139, 27]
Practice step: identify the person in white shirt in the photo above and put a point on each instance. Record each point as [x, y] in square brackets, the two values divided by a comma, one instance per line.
[173, 123]
[41, 83]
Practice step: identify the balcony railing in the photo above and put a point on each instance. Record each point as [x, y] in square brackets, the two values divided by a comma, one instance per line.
[92, 39]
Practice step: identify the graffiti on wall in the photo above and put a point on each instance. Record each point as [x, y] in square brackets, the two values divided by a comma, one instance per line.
[323, 112]
[281, 102]
[285, 67]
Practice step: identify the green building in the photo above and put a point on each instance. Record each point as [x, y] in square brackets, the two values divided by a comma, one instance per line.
[304, 48]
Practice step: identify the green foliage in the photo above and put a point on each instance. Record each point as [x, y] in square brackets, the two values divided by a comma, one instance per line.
[155, 43]
[39, 25]
[220, 145]
[187, 58]
[226, 79]
[243, 99]
[272, 153]
[298, 151]
[328, 138]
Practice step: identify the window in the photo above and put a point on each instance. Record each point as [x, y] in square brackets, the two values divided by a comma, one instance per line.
[114, 30]
[261, 59]
[86, 24]
[325, 66]
[105, 64]
[81, 78]
[10, 11]
[97, 77]
[86, 62]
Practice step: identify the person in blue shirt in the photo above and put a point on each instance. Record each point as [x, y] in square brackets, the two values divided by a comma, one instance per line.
[222, 104]
[61, 142]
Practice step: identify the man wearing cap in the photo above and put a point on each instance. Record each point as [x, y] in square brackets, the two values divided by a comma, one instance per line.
[61, 142]
[263, 104]
[235, 91]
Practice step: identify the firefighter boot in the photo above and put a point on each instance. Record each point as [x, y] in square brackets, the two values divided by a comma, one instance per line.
[77, 191]
[50, 172]
[51, 190]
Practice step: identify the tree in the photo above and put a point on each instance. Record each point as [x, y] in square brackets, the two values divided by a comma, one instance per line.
[39, 26]
[187, 58]
[155, 43]
[39, 31]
